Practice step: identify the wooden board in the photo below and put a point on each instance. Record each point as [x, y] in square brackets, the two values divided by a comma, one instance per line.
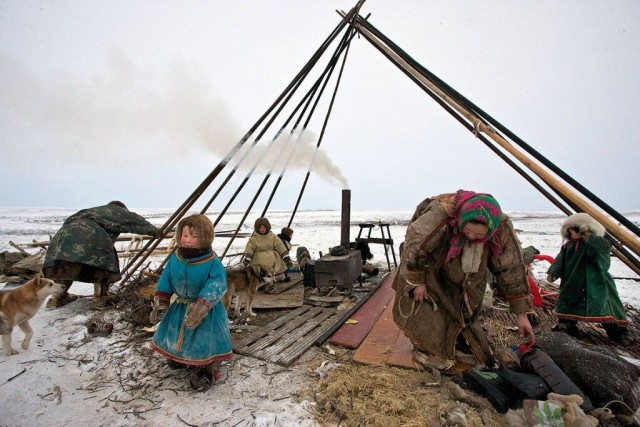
[352, 335]
[385, 344]
[292, 298]
[284, 340]
[280, 287]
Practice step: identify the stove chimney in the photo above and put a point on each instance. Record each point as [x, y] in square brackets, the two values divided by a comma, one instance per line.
[345, 222]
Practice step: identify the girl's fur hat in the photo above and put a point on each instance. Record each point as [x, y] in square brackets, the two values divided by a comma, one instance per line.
[287, 231]
[262, 221]
[584, 223]
[201, 225]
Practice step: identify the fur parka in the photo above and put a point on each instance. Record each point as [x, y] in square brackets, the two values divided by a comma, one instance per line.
[584, 223]
[267, 249]
[455, 297]
[202, 226]
[587, 291]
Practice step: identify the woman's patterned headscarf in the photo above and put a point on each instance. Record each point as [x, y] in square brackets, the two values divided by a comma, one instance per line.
[479, 207]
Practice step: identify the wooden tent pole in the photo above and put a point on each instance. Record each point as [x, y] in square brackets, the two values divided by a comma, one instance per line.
[568, 179]
[137, 260]
[479, 127]
[618, 250]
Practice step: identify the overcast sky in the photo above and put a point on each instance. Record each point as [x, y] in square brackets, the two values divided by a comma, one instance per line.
[139, 100]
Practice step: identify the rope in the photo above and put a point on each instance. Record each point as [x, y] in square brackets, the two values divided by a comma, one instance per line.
[478, 111]
[606, 408]
[413, 306]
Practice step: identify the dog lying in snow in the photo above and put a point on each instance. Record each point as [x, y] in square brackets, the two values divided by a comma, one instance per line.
[243, 283]
[19, 305]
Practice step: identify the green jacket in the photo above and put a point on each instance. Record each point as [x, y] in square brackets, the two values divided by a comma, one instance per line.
[87, 237]
[587, 290]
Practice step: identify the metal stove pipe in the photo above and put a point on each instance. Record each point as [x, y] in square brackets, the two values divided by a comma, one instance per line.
[345, 222]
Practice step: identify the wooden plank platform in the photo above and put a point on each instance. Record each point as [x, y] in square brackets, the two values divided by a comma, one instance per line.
[291, 298]
[385, 344]
[352, 335]
[284, 340]
[280, 287]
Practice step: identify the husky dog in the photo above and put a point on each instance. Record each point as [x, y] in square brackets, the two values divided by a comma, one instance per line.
[19, 305]
[243, 283]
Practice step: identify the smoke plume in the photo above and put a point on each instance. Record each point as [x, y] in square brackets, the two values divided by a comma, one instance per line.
[128, 115]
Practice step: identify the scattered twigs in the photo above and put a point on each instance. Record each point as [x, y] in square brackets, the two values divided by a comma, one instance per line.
[272, 375]
[52, 355]
[16, 375]
[189, 424]
[22, 251]
[276, 399]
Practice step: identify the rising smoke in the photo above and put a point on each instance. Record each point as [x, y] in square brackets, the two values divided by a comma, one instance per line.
[291, 150]
[128, 116]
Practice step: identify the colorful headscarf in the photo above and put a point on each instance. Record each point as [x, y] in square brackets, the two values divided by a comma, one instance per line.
[479, 207]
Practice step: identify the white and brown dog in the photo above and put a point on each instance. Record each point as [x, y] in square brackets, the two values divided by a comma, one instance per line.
[19, 305]
[243, 283]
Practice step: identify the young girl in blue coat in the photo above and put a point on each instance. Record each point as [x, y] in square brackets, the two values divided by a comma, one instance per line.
[195, 329]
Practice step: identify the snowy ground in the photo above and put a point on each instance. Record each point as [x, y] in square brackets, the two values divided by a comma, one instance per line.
[69, 377]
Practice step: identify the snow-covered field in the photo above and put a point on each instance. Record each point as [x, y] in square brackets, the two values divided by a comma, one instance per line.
[70, 378]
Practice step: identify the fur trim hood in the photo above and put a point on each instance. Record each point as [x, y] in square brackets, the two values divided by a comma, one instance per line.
[584, 222]
[262, 221]
[202, 225]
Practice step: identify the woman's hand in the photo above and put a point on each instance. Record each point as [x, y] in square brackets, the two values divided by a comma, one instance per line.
[420, 293]
[524, 328]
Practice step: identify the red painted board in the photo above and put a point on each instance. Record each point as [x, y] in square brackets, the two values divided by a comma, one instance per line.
[385, 344]
[351, 335]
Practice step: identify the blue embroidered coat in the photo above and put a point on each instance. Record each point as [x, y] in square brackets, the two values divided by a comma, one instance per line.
[201, 277]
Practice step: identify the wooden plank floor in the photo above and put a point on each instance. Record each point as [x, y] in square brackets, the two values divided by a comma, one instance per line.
[285, 339]
[386, 344]
[351, 335]
[291, 298]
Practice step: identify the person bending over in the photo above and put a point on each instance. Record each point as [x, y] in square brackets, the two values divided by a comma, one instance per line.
[82, 250]
[451, 245]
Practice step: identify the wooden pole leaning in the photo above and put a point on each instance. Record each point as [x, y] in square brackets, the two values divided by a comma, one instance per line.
[624, 236]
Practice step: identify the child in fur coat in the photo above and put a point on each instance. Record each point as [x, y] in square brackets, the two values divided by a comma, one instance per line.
[587, 290]
[265, 248]
[195, 329]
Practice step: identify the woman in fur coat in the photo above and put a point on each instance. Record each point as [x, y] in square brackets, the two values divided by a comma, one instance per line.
[587, 290]
[452, 243]
[265, 248]
[195, 329]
